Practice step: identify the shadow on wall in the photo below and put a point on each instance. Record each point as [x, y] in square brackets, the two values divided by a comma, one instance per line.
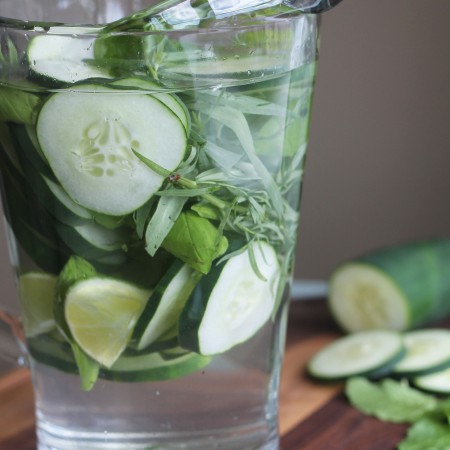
[378, 169]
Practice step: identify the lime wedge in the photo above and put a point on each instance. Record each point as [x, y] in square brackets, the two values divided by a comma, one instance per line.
[36, 292]
[101, 314]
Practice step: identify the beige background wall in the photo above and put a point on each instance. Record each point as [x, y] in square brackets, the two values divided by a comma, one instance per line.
[379, 160]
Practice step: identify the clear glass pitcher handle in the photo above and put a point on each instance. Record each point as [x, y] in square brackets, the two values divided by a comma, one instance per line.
[12, 340]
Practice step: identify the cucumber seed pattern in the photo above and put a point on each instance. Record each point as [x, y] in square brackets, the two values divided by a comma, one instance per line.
[106, 148]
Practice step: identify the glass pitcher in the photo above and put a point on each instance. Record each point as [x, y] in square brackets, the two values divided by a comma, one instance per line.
[151, 162]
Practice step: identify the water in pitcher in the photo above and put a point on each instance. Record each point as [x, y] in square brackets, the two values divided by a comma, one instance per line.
[151, 188]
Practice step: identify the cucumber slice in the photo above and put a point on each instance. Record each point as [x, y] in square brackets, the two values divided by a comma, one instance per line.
[230, 304]
[242, 68]
[399, 288]
[172, 101]
[28, 149]
[30, 223]
[8, 148]
[52, 352]
[153, 367]
[436, 382]
[160, 345]
[426, 351]
[44, 184]
[63, 207]
[57, 59]
[88, 135]
[92, 241]
[370, 353]
[146, 367]
[165, 305]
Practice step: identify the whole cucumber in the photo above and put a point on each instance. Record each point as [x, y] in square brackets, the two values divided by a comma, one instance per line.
[400, 287]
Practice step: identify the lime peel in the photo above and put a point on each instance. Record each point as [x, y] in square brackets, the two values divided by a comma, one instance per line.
[101, 314]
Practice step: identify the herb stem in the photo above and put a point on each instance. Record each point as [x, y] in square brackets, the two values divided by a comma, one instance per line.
[186, 183]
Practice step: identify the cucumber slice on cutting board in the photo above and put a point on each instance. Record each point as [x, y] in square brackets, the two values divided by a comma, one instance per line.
[426, 351]
[165, 305]
[435, 382]
[399, 288]
[371, 353]
[232, 302]
[88, 135]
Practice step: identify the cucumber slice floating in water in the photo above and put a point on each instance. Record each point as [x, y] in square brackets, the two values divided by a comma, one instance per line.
[370, 353]
[400, 287]
[230, 304]
[172, 101]
[154, 367]
[88, 135]
[143, 367]
[60, 59]
[426, 351]
[165, 304]
[92, 241]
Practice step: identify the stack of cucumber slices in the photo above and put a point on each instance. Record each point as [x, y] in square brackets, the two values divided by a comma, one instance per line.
[421, 356]
[134, 334]
[383, 300]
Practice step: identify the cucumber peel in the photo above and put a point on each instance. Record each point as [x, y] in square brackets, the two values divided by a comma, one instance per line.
[400, 287]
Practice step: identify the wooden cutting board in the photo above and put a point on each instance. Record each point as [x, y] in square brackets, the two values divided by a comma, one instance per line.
[312, 416]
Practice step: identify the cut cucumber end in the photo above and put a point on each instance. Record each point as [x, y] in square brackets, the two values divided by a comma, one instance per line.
[366, 353]
[361, 297]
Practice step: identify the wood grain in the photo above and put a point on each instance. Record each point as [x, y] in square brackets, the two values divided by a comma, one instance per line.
[16, 409]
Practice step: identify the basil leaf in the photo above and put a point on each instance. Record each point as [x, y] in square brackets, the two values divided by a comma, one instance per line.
[17, 106]
[390, 400]
[430, 432]
[196, 241]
